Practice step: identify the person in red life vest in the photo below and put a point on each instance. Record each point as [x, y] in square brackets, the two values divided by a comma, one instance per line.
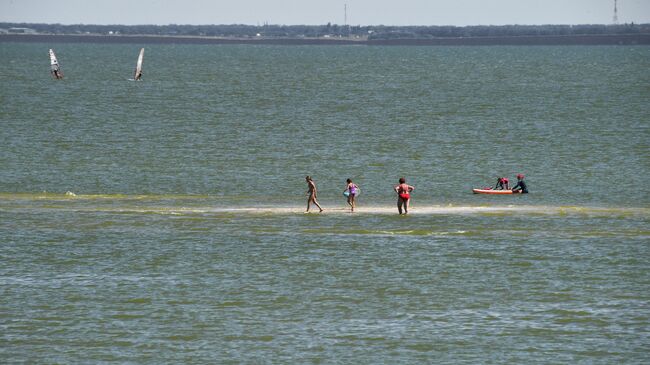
[502, 183]
[403, 191]
[521, 185]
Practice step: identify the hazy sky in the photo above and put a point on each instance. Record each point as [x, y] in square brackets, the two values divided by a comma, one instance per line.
[311, 12]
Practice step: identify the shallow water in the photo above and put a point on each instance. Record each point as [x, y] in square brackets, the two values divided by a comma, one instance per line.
[183, 237]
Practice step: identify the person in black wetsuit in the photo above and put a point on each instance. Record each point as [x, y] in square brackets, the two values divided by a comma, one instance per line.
[521, 185]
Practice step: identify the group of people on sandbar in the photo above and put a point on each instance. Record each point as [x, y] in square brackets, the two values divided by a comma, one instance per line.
[352, 190]
[402, 189]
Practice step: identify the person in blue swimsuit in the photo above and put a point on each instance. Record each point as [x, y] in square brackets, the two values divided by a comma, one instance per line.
[351, 191]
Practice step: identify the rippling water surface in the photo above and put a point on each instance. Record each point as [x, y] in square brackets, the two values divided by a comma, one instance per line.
[183, 240]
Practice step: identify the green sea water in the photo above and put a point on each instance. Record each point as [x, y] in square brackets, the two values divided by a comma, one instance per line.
[162, 221]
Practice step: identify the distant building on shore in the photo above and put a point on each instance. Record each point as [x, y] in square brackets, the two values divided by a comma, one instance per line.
[21, 31]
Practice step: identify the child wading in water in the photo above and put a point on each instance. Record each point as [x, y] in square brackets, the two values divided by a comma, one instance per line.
[351, 191]
[311, 194]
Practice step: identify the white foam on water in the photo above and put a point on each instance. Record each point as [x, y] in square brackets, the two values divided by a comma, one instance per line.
[188, 204]
[447, 210]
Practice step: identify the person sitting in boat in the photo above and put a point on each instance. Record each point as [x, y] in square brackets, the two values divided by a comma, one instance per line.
[138, 76]
[56, 74]
[502, 183]
[521, 185]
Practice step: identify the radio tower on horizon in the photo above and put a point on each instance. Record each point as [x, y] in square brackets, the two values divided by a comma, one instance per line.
[345, 19]
[615, 12]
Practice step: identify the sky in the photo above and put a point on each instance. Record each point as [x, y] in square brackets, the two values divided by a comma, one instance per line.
[316, 12]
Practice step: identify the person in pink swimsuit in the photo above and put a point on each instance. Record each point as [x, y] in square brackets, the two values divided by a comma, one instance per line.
[351, 191]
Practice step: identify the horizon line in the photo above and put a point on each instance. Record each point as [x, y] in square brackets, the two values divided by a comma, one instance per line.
[330, 23]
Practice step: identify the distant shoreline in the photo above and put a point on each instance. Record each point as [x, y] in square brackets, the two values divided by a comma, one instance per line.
[596, 39]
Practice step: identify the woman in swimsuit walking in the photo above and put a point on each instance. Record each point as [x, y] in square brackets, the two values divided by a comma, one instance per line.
[403, 191]
[311, 194]
[351, 191]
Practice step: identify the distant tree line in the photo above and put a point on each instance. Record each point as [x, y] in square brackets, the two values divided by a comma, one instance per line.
[379, 32]
[428, 32]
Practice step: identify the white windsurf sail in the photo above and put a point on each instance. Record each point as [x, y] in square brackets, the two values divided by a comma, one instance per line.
[55, 70]
[137, 75]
